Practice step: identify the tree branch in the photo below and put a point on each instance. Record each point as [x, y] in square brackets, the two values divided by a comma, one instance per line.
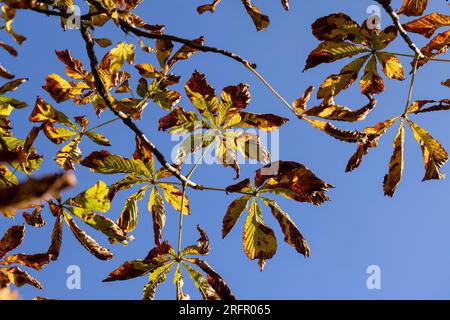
[87, 37]
[386, 4]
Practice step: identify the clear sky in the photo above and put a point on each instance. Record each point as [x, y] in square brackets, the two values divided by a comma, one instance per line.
[407, 237]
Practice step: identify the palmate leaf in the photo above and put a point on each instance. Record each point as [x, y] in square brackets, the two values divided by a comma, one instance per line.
[123, 52]
[331, 111]
[286, 178]
[221, 119]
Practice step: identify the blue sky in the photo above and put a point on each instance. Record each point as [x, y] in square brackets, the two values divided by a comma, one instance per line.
[407, 237]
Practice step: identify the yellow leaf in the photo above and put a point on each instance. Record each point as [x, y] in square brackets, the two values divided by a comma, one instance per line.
[392, 179]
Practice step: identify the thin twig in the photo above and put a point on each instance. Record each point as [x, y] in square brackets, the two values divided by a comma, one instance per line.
[386, 4]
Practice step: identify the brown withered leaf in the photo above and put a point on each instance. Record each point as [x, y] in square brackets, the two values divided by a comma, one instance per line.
[36, 261]
[413, 7]
[392, 179]
[292, 180]
[434, 154]
[428, 24]
[5, 74]
[446, 83]
[89, 243]
[35, 190]
[12, 238]
[35, 218]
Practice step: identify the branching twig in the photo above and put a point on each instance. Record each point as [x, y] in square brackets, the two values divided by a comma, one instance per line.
[386, 4]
